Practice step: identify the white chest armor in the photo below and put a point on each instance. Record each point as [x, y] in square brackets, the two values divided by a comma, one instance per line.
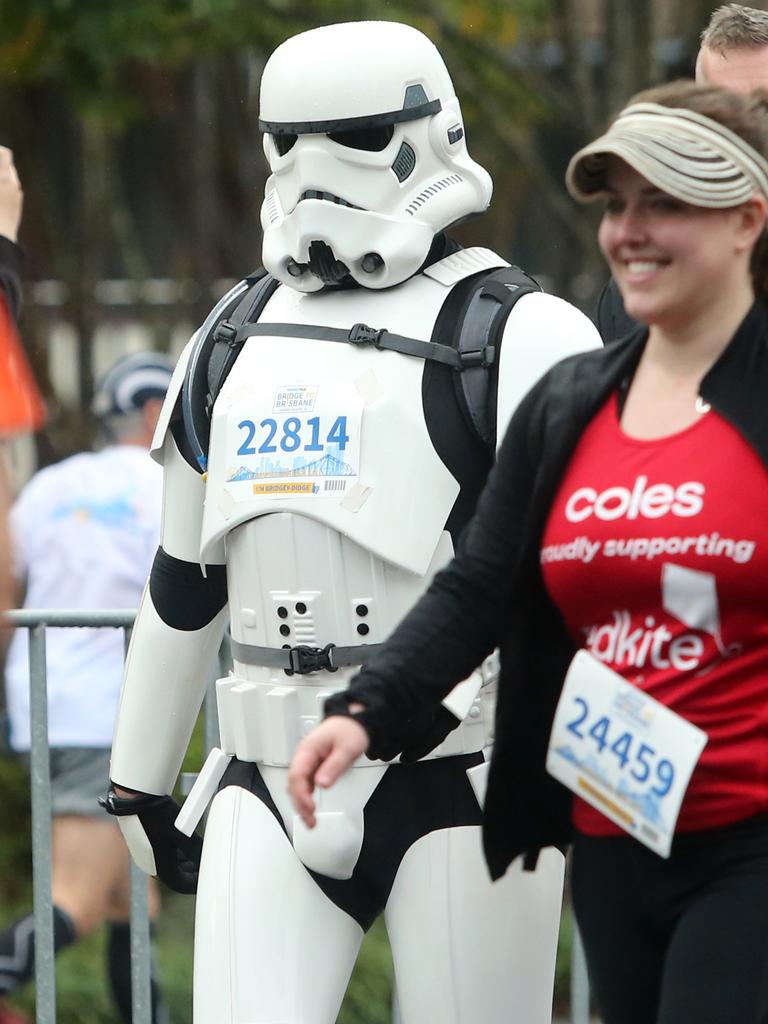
[331, 501]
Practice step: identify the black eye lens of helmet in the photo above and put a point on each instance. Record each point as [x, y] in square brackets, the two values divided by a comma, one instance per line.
[283, 143]
[372, 139]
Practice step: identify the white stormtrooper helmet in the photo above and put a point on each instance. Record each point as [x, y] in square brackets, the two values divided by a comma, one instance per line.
[365, 141]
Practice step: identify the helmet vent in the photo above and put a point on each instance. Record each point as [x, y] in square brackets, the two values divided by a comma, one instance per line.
[404, 163]
[432, 190]
[272, 207]
[415, 96]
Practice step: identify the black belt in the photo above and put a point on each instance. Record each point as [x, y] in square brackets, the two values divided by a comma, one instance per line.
[302, 658]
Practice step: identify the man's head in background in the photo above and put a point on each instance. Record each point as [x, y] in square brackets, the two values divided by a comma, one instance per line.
[129, 396]
[734, 49]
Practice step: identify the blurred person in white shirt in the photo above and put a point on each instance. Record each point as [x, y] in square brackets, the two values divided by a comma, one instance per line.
[83, 535]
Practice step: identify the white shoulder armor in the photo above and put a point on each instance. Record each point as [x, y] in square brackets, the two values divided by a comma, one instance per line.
[540, 330]
[461, 264]
[171, 398]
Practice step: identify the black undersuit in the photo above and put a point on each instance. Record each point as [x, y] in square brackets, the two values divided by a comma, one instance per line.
[409, 802]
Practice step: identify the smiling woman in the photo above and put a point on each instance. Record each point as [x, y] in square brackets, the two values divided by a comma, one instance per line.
[624, 523]
[683, 170]
[675, 262]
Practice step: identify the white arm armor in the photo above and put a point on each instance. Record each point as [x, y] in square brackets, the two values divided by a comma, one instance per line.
[167, 669]
[540, 331]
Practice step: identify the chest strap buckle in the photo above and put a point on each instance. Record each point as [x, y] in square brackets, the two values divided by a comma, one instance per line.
[361, 334]
[226, 332]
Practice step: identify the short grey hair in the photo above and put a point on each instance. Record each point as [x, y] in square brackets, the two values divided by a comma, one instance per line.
[734, 27]
[118, 427]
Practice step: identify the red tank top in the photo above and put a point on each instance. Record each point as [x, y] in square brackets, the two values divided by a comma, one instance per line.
[656, 553]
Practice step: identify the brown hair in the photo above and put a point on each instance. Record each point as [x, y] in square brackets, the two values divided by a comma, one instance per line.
[733, 26]
[745, 114]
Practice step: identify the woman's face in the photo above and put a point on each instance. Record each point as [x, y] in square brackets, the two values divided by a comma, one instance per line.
[672, 261]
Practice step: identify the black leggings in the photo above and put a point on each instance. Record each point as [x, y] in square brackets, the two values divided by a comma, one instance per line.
[677, 941]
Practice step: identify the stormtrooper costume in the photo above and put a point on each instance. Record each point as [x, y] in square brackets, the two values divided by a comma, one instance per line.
[311, 492]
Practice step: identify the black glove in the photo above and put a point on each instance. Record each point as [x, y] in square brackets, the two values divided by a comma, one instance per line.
[177, 857]
[419, 735]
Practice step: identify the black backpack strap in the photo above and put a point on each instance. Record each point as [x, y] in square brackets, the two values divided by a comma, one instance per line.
[358, 334]
[214, 356]
[477, 337]
[227, 339]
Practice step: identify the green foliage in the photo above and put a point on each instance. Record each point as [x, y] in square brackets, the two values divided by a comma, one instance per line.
[369, 996]
[82, 995]
[91, 47]
[15, 831]
[88, 37]
[563, 966]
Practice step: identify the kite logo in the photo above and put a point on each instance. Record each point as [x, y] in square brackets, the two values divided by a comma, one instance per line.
[688, 595]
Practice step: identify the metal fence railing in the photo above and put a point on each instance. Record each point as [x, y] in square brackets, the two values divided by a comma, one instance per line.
[37, 622]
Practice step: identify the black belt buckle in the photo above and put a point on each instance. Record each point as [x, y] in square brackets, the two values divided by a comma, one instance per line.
[304, 659]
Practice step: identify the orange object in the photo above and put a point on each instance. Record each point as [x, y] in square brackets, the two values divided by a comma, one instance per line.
[21, 407]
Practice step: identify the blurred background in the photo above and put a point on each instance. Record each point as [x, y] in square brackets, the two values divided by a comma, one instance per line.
[134, 127]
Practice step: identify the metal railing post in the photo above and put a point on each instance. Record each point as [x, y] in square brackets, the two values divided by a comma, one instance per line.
[141, 1002]
[37, 621]
[40, 783]
[141, 948]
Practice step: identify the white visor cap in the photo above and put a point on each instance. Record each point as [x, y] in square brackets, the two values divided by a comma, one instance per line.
[684, 153]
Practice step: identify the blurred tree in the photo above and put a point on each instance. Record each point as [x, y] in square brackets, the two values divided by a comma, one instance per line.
[135, 131]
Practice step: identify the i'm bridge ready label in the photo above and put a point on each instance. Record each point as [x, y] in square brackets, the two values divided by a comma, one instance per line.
[623, 752]
[295, 440]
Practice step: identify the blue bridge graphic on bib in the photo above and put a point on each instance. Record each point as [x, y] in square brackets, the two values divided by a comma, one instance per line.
[646, 802]
[327, 465]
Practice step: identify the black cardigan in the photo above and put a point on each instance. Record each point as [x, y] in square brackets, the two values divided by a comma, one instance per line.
[10, 273]
[493, 594]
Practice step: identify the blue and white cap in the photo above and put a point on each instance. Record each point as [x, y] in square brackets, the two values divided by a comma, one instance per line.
[131, 382]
